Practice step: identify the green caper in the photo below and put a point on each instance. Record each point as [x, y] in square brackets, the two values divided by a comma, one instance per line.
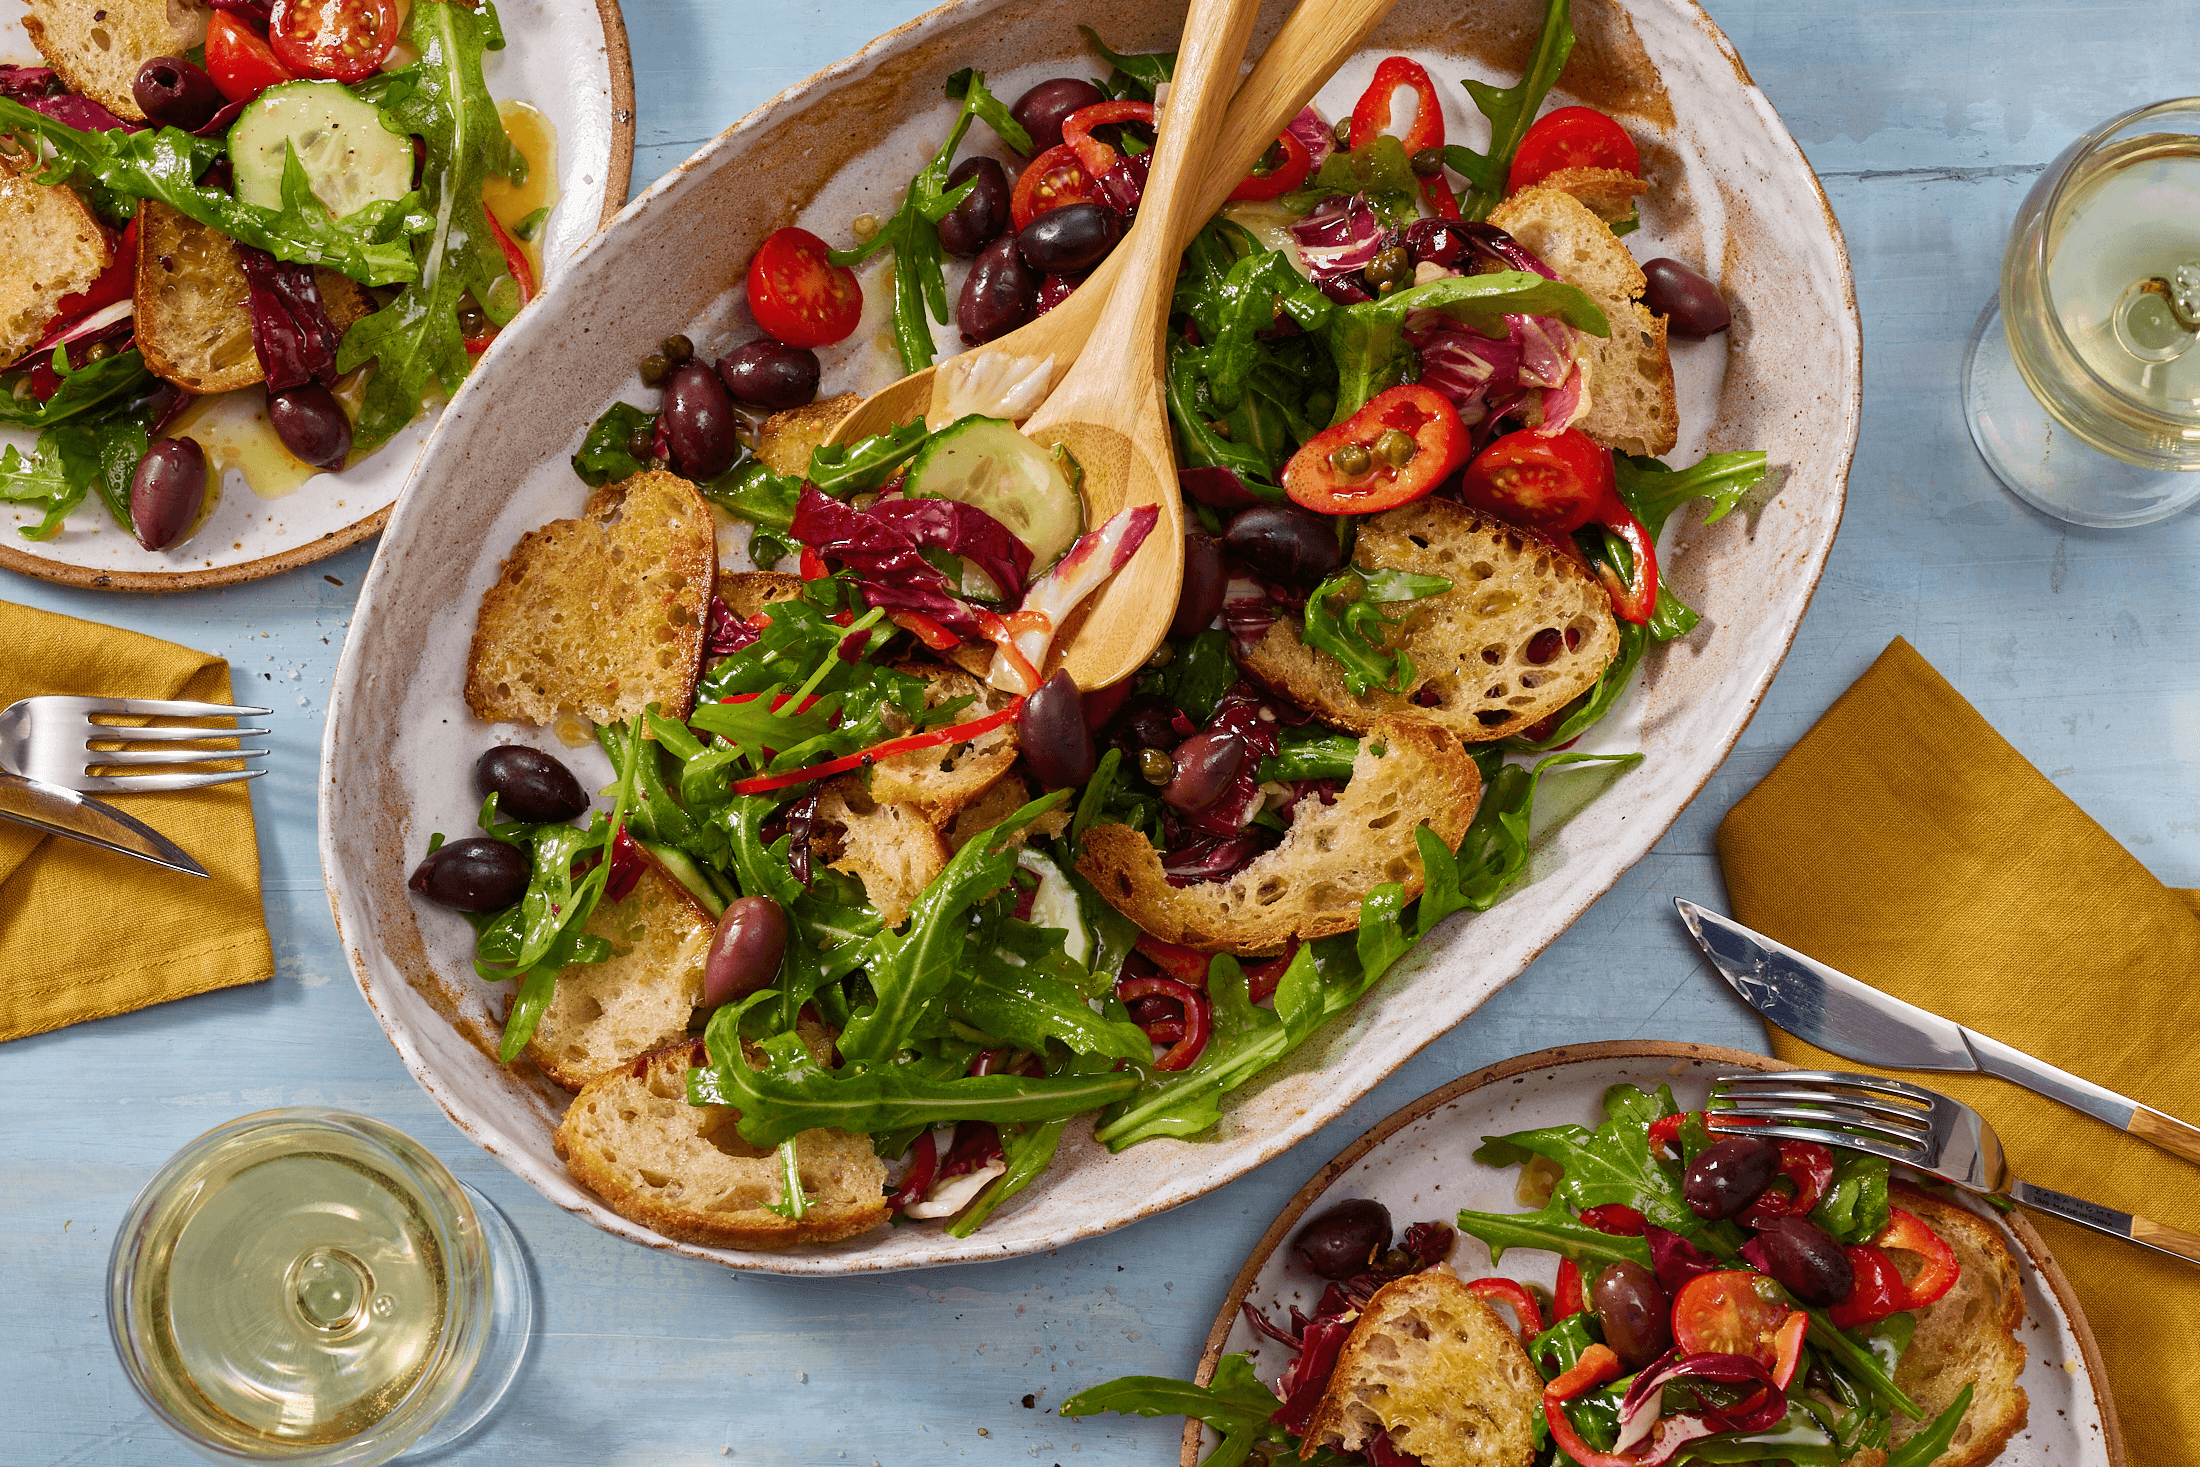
[98, 351]
[1155, 767]
[1342, 132]
[678, 350]
[1391, 269]
[655, 368]
[1352, 460]
[1396, 448]
[1428, 163]
[1162, 656]
[639, 443]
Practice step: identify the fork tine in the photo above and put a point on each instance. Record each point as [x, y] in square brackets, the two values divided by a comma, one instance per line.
[112, 758]
[1750, 1099]
[108, 732]
[124, 784]
[1863, 1125]
[1908, 1153]
[1843, 1079]
[168, 708]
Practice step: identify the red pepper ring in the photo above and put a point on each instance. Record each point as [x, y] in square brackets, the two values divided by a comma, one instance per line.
[1096, 156]
[1511, 1292]
[1371, 117]
[1808, 1168]
[1569, 1298]
[1877, 1292]
[523, 276]
[1285, 176]
[1912, 1234]
[955, 734]
[924, 629]
[1198, 1017]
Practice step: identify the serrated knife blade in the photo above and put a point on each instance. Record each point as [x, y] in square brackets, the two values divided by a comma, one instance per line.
[66, 812]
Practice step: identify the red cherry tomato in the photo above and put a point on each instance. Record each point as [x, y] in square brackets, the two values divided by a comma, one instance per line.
[1808, 1168]
[1371, 117]
[342, 40]
[1285, 176]
[1556, 485]
[240, 63]
[1440, 445]
[1572, 137]
[798, 295]
[1732, 1312]
[1878, 1291]
[1054, 178]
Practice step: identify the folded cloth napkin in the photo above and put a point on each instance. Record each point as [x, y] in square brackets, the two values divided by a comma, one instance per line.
[1906, 843]
[85, 933]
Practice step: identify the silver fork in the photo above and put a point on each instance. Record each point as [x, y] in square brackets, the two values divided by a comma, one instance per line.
[51, 739]
[1918, 1128]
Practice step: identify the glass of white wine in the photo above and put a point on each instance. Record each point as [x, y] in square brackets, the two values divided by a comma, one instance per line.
[309, 1286]
[2096, 332]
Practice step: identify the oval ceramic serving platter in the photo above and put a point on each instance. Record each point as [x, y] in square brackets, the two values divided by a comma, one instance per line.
[568, 60]
[1419, 1163]
[1730, 189]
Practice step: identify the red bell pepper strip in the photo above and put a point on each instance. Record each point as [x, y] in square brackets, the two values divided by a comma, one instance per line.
[1665, 1134]
[1877, 1292]
[1198, 1021]
[955, 734]
[1186, 965]
[813, 565]
[1554, 485]
[924, 629]
[1912, 1234]
[1285, 176]
[1569, 1300]
[1509, 1291]
[1808, 1168]
[1617, 1217]
[523, 276]
[1371, 116]
[1098, 159]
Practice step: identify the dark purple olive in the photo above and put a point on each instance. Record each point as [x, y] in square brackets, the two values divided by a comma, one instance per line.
[1205, 765]
[1339, 1241]
[1727, 1176]
[529, 785]
[1205, 579]
[745, 955]
[979, 219]
[1804, 1256]
[1631, 1306]
[1041, 110]
[1050, 728]
[171, 92]
[1437, 241]
[998, 294]
[1072, 238]
[167, 491]
[1285, 543]
[772, 373]
[1055, 289]
[481, 874]
[700, 423]
[1692, 306]
[312, 425]
[1144, 723]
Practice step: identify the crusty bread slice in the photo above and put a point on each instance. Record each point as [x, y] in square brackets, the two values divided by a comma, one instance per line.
[682, 1170]
[602, 615]
[1311, 884]
[1609, 193]
[941, 780]
[787, 437]
[1440, 1371]
[604, 1014]
[748, 592]
[1008, 795]
[1967, 1337]
[53, 248]
[1469, 646]
[99, 46]
[1631, 403]
[890, 847]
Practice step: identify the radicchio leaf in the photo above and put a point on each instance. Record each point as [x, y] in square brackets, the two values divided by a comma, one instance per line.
[1676, 1259]
[723, 632]
[964, 530]
[1097, 555]
[291, 332]
[1337, 241]
[38, 88]
[885, 559]
[1320, 139]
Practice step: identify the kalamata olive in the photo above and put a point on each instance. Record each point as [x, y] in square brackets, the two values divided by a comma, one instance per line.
[998, 294]
[1726, 1177]
[529, 785]
[312, 425]
[1205, 580]
[171, 92]
[979, 219]
[1050, 729]
[167, 491]
[1337, 1242]
[772, 373]
[1804, 1256]
[699, 421]
[1285, 543]
[1041, 110]
[1072, 238]
[481, 874]
[745, 955]
[1631, 1305]
[1205, 765]
[1144, 723]
[1691, 305]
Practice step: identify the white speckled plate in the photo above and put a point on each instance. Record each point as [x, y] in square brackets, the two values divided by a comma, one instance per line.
[1419, 1163]
[1731, 189]
[566, 58]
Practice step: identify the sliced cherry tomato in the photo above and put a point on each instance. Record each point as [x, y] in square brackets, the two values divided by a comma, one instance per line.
[1055, 178]
[1808, 1168]
[1568, 1299]
[523, 276]
[1787, 1347]
[239, 61]
[1371, 118]
[1285, 176]
[798, 295]
[1097, 157]
[1912, 1234]
[1431, 424]
[1556, 484]
[1618, 1217]
[342, 40]
[1878, 1291]
[1510, 1292]
[1731, 1312]
[1572, 137]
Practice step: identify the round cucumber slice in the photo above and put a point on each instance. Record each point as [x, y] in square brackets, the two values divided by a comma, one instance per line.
[987, 464]
[351, 159]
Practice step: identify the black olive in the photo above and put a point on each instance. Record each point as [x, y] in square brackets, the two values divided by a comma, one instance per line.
[1631, 1306]
[1727, 1176]
[1206, 578]
[699, 422]
[1804, 1256]
[529, 785]
[1040, 111]
[482, 874]
[979, 219]
[998, 295]
[171, 92]
[746, 952]
[167, 491]
[772, 373]
[1285, 543]
[1051, 731]
[1206, 763]
[1691, 305]
[1072, 238]
[1340, 1241]
[312, 425]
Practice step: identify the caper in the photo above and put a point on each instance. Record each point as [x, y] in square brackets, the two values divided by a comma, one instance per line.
[1352, 460]
[1162, 655]
[655, 368]
[98, 351]
[1428, 163]
[471, 319]
[1342, 132]
[1396, 448]
[1391, 268]
[639, 442]
[677, 349]
[1156, 767]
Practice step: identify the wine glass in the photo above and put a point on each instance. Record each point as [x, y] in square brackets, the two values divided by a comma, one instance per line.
[311, 1287]
[2095, 329]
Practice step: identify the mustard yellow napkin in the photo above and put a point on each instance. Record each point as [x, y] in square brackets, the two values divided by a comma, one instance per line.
[85, 933]
[1906, 843]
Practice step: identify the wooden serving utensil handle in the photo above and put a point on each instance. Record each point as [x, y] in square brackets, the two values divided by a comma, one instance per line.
[2166, 1131]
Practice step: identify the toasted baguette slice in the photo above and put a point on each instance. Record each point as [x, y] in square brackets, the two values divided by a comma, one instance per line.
[1967, 1337]
[1311, 884]
[53, 248]
[748, 592]
[604, 1014]
[1470, 645]
[890, 847]
[1631, 403]
[940, 781]
[1608, 193]
[787, 438]
[1008, 795]
[99, 46]
[1440, 1371]
[682, 1170]
[602, 615]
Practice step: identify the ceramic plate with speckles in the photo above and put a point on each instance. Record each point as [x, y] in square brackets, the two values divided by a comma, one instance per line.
[1419, 1163]
[567, 59]
[1730, 190]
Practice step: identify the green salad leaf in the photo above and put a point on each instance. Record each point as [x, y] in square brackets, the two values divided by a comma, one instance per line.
[1134, 77]
[866, 464]
[1614, 1163]
[1854, 1207]
[1380, 171]
[1929, 1445]
[1358, 636]
[107, 384]
[604, 457]
[1653, 492]
[751, 491]
[1235, 1404]
[70, 461]
[1577, 717]
[1511, 112]
[990, 109]
[1369, 341]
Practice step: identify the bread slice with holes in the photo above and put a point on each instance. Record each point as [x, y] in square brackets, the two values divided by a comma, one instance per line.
[1608, 193]
[1966, 1337]
[1407, 773]
[1523, 631]
[887, 845]
[787, 438]
[1440, 1372]
[99, 46]
[748, 592]
[1631, 403]
[941, 780]
[683, 1170]
[644, 995]
[1004, 799]
[53, 247]
[602, 615]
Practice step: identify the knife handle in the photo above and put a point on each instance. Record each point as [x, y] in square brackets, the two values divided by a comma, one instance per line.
[2144, 1231]
[2167, 1132]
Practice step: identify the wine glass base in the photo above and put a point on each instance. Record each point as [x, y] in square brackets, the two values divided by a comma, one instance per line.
[511, 1328]
[2042, 462]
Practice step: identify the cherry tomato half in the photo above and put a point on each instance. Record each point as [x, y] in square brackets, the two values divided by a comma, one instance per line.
[1055, 178]
[1435, 444]
[798, 295]
[1555, 485]
[240, 63]
[1572, 137]
[342, 40]
[1732, 1312]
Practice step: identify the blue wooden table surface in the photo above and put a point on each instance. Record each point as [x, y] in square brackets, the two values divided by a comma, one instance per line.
[1927, 121]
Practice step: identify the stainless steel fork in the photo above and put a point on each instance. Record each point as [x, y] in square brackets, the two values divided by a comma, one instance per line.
[1918, 1128]
[52, 739]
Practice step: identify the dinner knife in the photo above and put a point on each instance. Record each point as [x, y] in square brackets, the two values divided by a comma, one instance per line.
[1826, 1007]
[64, 812]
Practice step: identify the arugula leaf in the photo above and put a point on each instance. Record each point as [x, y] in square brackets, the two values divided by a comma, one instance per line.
[751, 491]
[1495, 849]
[1653, 492]
[1511, 112]
[71, 460]
[866, 464]
[1037, 997]
[1243, 400]
[604, 457]
[1235, 1404]
[1197, 675]
[1314, 755]
[1854, 1208]
[1232, 313]
[1930, 1444]
[1135, 76]
[1368, 661]
[1368, 338]
[100, 384]
[1612, 1164]
[991, 109]
[1553, 1230]
[1380, 171]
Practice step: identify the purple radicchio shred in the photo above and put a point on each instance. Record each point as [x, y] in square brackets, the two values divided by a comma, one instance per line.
[1320, 1339]
[165, 406]
[977, 1143]
[885, 559]
[1252, 719]
[1337, 241]
[1216, 487]
[1430, 1242]
[801, 821]
[1055, 289]
[964, 530]
[1125, 181]
[219, 124]
[117, 337]
[1324, 790]
[723, 632]
[291, 332]
[1319, 138]
[38, 88]
[1193, 857]
[1676, 1259]
[1247, 609]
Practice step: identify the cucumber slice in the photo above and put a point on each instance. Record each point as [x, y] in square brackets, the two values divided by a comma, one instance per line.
[351, 159]
[987, 464]
[688, 874]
